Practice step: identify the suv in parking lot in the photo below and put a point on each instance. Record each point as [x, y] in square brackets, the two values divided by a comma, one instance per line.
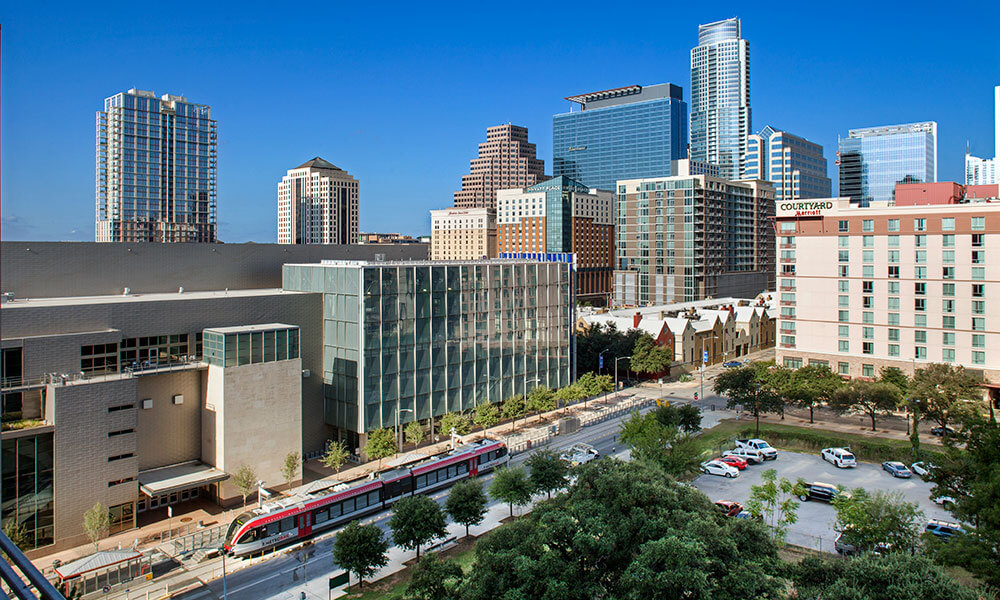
[839, 457]
[817, 490]
[942, 529]
[750, 455]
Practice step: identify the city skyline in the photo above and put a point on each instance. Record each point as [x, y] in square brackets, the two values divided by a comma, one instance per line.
[361, 127]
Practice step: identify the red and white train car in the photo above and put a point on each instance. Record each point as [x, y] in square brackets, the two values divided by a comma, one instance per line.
[298, 517]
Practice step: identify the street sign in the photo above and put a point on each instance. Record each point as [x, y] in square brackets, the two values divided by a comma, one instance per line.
[340, 580]
[600, 361]
[704, 356]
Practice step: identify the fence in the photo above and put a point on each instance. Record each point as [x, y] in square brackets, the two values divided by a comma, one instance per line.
[205, 538]
[542, 436]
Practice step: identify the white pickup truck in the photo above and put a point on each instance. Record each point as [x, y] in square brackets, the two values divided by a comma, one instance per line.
[761, 446]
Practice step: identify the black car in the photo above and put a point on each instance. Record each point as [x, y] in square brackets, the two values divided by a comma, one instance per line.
[817, 490]
[942, 431]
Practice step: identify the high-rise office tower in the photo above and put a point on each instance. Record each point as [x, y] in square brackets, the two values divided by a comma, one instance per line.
[156, 169]
[317, 204]
[986, 171]
[720, 97]
[794, 165]
[874, 159]
[506, 160]
[624, 133]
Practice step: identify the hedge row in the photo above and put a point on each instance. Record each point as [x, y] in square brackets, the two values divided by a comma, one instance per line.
[866, 449]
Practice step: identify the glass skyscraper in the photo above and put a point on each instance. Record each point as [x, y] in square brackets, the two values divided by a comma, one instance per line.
[794, 165]
[420, 339]
[873, 160]
[156, 169]
[624, 133]
[720, 97]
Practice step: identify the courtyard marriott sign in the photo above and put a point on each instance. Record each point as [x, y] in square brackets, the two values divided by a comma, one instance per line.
[804, 208]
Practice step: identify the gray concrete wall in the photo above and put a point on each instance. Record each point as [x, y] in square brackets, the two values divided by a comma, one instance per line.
[169, 433]
[57, 269]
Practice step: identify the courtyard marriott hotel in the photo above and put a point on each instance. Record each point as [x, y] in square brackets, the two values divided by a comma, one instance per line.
[420, 339]
[143, 376]
[891, 286]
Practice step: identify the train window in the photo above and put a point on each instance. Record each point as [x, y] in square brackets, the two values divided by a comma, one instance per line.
[372, 498]
[321, 516]
[421, 481]
[463, 467]
[288, 523]
[361, 501]
[335, 510]
[273, 528]
[348, 505]
[249, 536]
[452, 471]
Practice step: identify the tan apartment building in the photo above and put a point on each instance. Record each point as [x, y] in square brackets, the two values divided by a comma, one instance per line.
[317, 204]
[899, 286]
[687, 238]
[463, 234]
[506, 160]
[562, 216]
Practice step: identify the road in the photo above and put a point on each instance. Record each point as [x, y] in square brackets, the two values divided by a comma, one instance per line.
[814, 528]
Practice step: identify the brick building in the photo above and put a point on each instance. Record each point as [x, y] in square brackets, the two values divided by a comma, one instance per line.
[506, 160]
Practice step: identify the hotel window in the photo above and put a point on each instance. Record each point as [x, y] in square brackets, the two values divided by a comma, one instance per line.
[920, 320]
[844, 226]
[920, 256]
[787, 227]
[893, 349]
[894, 241]
[843, 346]
[920, 289]
[920, 241]
[920, 272]
[844, 286]
[948, 322]
[978, 257]
[868, 348]
[893, 287]
[948, 240]
[977, 240]
[788, 340]
[978, 340]
[948, 224]
[978, 223]
[948, 354]
[893, 303]
[843, 331]
[843, 241]
[868, 225]
[788, 312]
[843, 300]
[948, 306]
[893, 318]
[979, 358]
[920, 224]
[843, 256]
[947, 272]
[867, 302]
[867, 287]
[893, 335]
[978, 290]
[843, 316]
[978, 324]
[948, 257]
[893, 224]
[868, 241]
[868, 271]
[893, 272]
[868, 370]
[788, 283]
[894, 256]
[948, 338]
[920, 336]
[867, 317]
[919, 304]
[868, 256]
[948, 289]
[868, 333]
[978, 307]
[844, 271]
[843, 368]
[920, 352]
[978, 273]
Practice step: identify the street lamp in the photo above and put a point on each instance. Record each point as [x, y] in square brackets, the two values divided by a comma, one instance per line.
[399, 432]
[616, 373]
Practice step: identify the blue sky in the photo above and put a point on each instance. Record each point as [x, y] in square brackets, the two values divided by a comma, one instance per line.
[400, 94]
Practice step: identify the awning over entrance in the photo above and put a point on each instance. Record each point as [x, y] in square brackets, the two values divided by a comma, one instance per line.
[175, 478]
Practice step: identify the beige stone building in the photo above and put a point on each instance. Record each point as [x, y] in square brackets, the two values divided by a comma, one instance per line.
[463, 234]
[318, 204]
[900, 286]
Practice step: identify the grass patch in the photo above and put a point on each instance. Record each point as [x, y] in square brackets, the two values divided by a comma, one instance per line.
[393, 586]
[809, 440]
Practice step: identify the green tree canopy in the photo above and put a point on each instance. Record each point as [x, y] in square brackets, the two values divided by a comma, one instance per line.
[811, 385]
[487, 415]
[415, 521]
[245, 479]
[665, 446]
[896, 377]
[17, 533]
[467, 503]
[540, 399]
[603, 338]
[455, 420]
[413, 432]
[868, 398]
[434, 579]
[290, 467]
[335, 456]
[361, 549]
[513, 408]
[381, 444]
[686, 417]
[547, 472]
[511, 485]
[774, 501]
[751, 387]
[868, 520]
[946, 393]
[96, 524]
[648, 357]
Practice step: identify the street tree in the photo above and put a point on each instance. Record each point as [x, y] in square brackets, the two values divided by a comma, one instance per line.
[751, 388]
[413, 432]
[665, 446]
[434, 579]
[896, 377]
[513, 408]
[607, 339]
[946, 393]
[361, 549]
[454, 420]
[487, 415]
[868, 398]
[868, 520]
[811, 385]
[648, 357]
[686, 417]
[415, 521]
[511, 485]
[466, 503]
[774, 501]
[245, 479]
[894, 576]
[569, 394]
[290, 467]
[381, 444]
[96, 524]
[335, 456]
[540, 399]
[547, 472]
[17, 533]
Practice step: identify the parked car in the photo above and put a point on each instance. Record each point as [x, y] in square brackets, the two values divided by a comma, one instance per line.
[897, 469]
[761, 446]
[942, 529]
[941, 431]
[714, 467]
[750, 455]
[730, 509]
[843, 546]
[841, 458]
[944, 501]
[922, 468]
[824, 492]
[732, 364]
[734, 461]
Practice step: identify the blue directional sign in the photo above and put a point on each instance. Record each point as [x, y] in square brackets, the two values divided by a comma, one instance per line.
[704, 356]
[600, 361]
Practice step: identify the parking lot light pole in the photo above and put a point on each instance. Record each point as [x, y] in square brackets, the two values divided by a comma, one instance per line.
[616, 374]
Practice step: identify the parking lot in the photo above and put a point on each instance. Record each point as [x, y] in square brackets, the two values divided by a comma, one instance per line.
[814, 528]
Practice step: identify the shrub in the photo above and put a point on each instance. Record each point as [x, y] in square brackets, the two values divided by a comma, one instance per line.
[866, 449]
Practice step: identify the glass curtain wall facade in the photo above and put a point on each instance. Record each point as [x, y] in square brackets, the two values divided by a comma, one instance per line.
[720, 97]
[794, 165]
[234, 346]
[27, 486]
[156, 169]
[620, 134]
[873, 160]
[425, 338]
